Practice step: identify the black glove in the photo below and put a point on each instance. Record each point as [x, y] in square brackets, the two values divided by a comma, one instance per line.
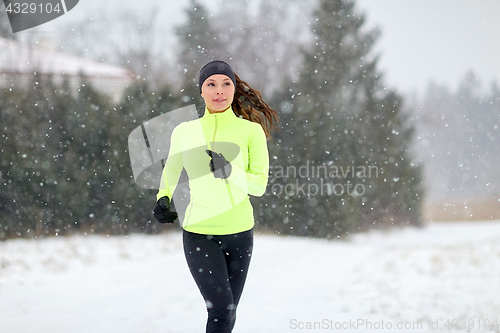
[162, 211]
[220, 167]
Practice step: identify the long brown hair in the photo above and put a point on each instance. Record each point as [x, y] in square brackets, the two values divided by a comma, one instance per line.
[249, 104]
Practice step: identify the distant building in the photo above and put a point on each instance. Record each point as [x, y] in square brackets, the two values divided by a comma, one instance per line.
[18, 61]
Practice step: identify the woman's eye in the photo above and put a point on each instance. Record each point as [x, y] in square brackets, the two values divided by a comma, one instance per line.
[227, 84]
[210, 84]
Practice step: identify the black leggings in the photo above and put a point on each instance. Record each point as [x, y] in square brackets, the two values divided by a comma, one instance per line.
[219, 265]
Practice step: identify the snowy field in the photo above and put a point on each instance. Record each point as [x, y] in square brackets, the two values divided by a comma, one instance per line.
[441, 278]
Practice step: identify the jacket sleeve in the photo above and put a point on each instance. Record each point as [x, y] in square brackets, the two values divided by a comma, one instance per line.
[254, 179]
[173, 166]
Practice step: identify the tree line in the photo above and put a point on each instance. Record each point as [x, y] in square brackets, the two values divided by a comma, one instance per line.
[340, 164]
[458, 132]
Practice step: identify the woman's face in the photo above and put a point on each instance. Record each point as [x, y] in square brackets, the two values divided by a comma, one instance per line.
[218, 93]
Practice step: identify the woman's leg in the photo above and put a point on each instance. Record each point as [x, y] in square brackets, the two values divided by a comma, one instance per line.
[208, 266]
[237, 250]
[219, 265]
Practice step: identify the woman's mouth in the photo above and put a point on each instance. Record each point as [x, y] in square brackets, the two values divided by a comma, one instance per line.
[219, 100]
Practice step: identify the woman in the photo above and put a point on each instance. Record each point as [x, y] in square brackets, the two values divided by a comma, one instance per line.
[226, 159]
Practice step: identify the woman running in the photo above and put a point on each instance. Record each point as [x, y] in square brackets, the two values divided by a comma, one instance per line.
[226, 159]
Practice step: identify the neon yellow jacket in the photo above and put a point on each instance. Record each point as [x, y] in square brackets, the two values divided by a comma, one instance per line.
[218, 206]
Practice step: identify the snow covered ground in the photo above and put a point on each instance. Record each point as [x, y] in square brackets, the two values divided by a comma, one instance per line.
[404, 280]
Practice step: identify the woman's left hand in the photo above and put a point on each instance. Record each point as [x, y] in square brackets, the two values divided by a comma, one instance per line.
[220, 167]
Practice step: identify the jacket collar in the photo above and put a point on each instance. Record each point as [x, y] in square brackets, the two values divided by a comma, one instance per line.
[223, 118]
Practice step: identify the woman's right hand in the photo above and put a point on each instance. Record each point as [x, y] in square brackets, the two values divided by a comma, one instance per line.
[162, 211]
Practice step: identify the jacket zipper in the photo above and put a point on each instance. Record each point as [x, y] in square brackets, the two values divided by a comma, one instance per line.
[227, 182]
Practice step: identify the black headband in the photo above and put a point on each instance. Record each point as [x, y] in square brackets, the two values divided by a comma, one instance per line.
[216, 67]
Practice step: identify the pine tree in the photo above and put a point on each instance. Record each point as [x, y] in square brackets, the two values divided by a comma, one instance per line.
[343, 118]
[33, 143]
[132, 204]
[9, 98]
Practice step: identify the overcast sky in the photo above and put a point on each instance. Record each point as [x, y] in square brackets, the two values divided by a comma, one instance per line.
[421, 39]
[436, 39]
